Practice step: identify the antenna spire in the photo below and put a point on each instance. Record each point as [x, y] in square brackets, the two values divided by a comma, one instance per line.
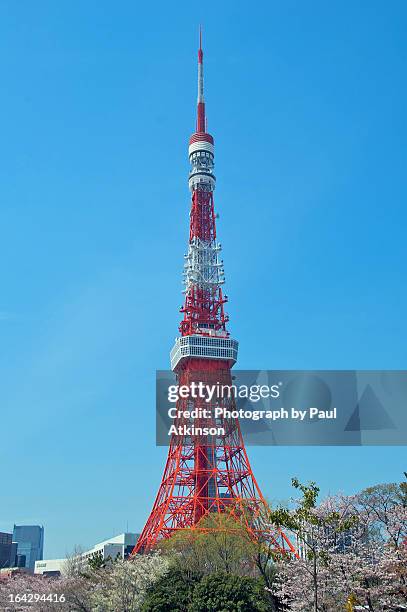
[200, 124]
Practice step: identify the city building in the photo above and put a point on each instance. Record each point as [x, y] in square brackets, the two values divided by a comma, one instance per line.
[50, 567]
[8, 550]
[8, 572]
[337, 541]
[118, 546]
[121, 545]
[30, 545]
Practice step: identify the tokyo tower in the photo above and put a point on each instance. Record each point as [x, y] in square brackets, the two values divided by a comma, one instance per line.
[212, 473]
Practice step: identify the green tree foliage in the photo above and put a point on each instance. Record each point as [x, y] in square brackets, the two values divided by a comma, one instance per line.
[171, 593]
[96, 561]
[221, 543]
[221, 592]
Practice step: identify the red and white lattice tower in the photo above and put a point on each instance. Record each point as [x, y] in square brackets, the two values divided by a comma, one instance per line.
[211, 473]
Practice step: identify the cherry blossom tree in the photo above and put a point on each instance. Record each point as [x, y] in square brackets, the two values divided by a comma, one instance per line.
[120, 585]
[354, 550]
[124, 583]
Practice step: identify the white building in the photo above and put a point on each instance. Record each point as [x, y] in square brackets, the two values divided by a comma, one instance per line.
[120, 545]
[49, 566]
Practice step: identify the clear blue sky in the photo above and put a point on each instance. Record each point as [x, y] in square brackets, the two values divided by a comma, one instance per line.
[307, 103]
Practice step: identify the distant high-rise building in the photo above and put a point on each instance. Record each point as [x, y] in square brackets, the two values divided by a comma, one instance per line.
[7, 550]
[30, 544]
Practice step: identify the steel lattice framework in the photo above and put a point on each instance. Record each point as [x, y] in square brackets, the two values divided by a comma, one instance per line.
[205, 474]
